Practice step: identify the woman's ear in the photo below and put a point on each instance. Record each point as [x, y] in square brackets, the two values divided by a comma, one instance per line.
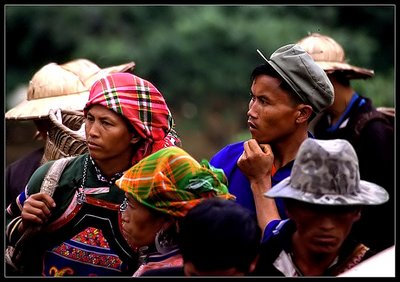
[135, 139]
[303, 113]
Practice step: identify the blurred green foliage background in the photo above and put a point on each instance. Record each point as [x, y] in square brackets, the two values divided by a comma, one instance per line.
[199, 57]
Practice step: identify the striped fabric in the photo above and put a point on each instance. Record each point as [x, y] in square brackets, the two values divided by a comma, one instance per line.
[142, 104]
[171, 181]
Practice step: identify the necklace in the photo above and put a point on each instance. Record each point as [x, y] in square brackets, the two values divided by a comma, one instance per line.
[81, 197]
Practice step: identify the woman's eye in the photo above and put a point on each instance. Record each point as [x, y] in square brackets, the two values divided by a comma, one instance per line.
[106, 123]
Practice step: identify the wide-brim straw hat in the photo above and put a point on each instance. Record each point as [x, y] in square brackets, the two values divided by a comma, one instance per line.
[63, 86]
[330, 56]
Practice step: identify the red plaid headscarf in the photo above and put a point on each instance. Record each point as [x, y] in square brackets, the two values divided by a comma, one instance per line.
[142, 104]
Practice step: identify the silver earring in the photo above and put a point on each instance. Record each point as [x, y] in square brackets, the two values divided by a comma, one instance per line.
[165, 240]
[123, 205]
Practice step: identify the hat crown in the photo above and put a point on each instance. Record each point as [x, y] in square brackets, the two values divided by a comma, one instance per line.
[53, 80]
[308, 80]
[330, 56]
[323, 48]
[326, 172]
[326, 168]
[64, 86]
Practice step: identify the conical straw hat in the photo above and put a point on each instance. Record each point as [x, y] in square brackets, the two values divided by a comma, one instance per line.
[330, 56]
[63, 86]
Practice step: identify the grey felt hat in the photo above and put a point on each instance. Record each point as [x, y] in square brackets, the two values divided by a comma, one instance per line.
[304, 76]
[326, 172]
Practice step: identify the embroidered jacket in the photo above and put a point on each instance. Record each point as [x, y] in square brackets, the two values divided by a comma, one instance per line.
[82, 237]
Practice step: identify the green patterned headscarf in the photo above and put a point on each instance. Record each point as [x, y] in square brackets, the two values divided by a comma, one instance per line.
[172, 181]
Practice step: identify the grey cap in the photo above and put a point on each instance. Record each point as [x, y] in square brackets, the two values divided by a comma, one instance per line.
[326, 172]
[308, 80]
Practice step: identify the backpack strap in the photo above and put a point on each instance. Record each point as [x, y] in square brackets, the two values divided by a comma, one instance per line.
[49, 185]
[53, 175]
[364, 118]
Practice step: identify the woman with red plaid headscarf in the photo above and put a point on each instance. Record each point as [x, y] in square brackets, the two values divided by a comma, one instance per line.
[127, 119]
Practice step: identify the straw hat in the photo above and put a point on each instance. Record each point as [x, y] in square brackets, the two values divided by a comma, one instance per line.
[330, 56]
[63, 86]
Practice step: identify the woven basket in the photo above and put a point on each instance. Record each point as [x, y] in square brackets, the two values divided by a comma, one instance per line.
[63, 140]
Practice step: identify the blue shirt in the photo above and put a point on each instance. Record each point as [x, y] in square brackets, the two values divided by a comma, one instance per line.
[238, 184]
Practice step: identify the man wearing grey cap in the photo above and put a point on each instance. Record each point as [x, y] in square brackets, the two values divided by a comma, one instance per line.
[287, 91]
[323, 197]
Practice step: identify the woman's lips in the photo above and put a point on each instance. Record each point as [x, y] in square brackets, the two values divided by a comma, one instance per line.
[93, 146]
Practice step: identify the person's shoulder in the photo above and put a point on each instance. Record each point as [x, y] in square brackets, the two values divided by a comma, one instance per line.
[31, 159]
[369, 124]
[229, 150]
[78, 159]
[374, 124]
[39, 174]
[276, 237]
[69, 161]
[274, 228]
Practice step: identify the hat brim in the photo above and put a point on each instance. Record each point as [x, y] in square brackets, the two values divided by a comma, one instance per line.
[370, 194]
[39, 108]
[351, 72]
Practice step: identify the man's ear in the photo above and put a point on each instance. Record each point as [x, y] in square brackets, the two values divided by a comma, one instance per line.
[303, 113]
[357, 214]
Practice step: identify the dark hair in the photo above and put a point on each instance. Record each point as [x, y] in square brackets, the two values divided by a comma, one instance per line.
[219, 234]
[266, 69]
[341, 77]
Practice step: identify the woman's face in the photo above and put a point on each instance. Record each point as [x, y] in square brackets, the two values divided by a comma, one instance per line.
[107, 135]
[139, 224]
